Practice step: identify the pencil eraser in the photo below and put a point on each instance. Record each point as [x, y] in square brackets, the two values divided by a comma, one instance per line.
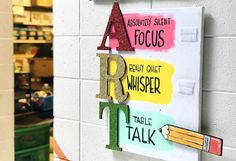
[216, 146]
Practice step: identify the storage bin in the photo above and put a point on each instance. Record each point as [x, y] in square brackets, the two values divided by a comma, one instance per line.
[40, 153]
[43, 104]
[31, 136]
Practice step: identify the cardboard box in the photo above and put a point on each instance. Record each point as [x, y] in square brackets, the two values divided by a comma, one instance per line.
[36, 17]
[46, 18]
[41, 67]
[43, 3]
[27, 15]
[22, 19]
[18, 10]
[21, 2]
[18, 19]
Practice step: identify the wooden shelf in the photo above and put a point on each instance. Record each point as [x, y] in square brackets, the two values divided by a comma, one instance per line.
[32, 42]
[25, 114]
[20, 4]
[37, 24]
[32, 6]
[22, 72]
[20, 56]
[42, 7]
[33, 24]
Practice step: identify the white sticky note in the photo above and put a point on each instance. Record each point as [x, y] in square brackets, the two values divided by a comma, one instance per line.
[186, 87]
[188, 34]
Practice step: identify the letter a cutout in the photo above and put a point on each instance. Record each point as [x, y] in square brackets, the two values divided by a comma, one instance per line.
[116, 20]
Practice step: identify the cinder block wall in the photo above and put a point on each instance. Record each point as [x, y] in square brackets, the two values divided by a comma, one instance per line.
[79, 26]
[6, 83]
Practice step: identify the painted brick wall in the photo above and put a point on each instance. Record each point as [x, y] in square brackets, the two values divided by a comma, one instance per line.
[79, 26]
[6, 83]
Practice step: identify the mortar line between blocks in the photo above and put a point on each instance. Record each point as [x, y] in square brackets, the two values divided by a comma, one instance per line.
[219, 91]
[89, 80]
[92, 124]
[80, 93]
[9, 137]
[6, 116]
[220, 36]
[5, 13]
[230, 148]
[55, 36]
[65, 77]
[8, 140]
[7, 90]
[66, 119]
[7, 64]
[6, 38]
[81, 36]
[79, 16]
[80, 80]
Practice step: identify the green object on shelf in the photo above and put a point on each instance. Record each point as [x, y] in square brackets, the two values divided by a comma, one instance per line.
[29, 137]
[40, 153]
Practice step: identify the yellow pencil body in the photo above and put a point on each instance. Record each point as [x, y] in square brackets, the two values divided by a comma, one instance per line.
[192, 139]
[186, 137]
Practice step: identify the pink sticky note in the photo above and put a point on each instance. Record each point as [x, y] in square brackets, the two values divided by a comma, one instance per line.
[149, 32]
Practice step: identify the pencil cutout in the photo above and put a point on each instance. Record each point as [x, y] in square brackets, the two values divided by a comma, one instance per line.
[193, 139]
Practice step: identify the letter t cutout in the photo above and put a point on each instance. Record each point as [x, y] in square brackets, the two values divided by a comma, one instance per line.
[114, 110]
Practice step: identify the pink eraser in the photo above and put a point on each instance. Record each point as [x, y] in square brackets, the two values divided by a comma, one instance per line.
[216, 146]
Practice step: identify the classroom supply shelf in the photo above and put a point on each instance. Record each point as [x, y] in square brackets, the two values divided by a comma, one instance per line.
[40, 153]
[31, 41]
[29, 137]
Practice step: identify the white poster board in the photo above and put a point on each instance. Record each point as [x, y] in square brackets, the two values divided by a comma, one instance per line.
[171, 69]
